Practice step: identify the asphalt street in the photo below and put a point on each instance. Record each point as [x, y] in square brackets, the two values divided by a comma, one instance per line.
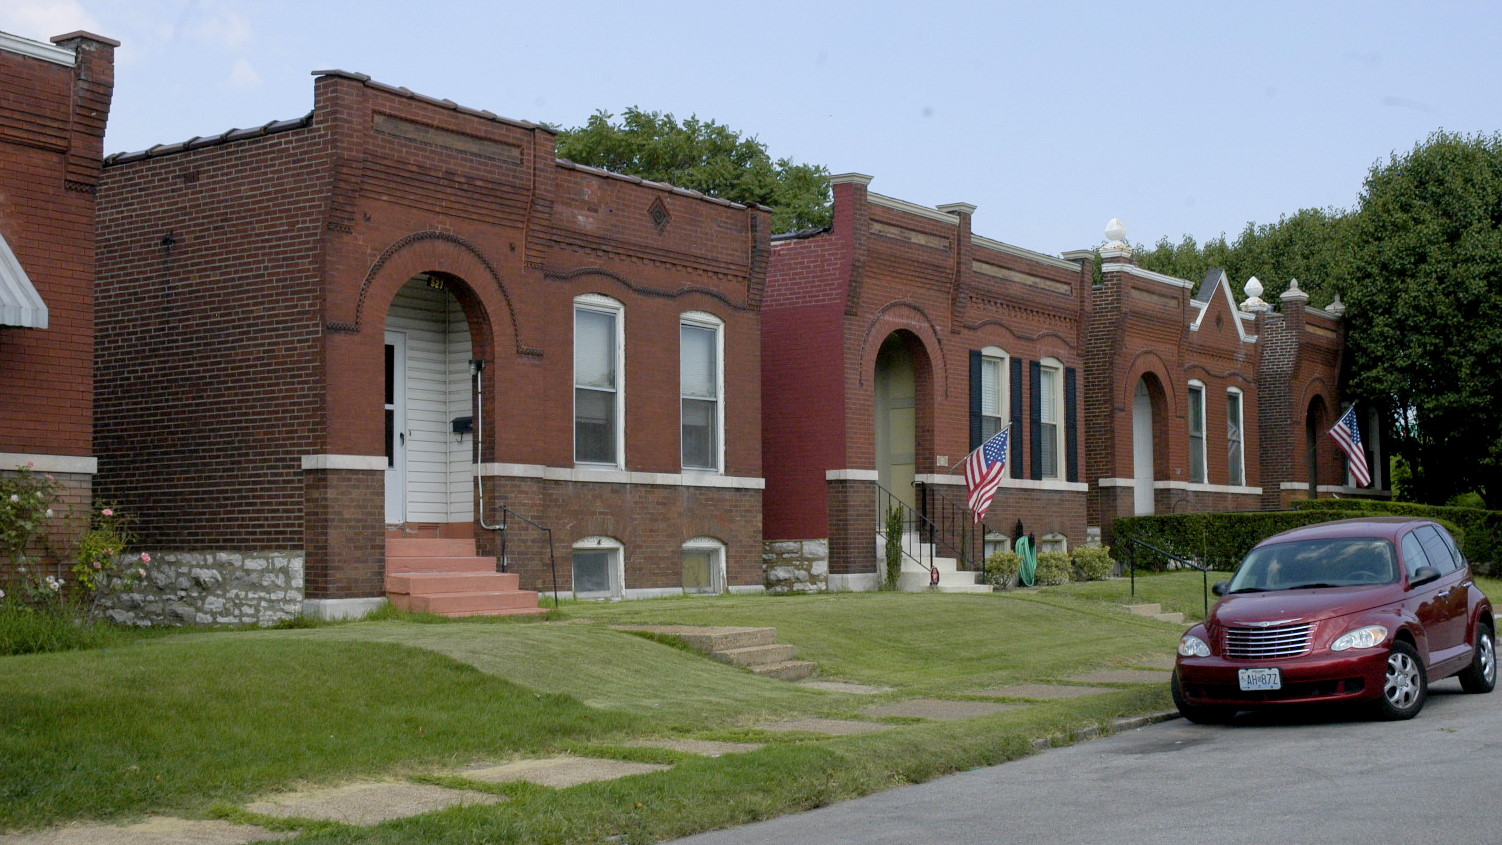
[1286, 778]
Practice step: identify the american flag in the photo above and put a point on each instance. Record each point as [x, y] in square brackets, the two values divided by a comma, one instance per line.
[1348, 437]
[983, 471]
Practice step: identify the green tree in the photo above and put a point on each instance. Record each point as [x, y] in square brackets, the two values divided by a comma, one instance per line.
[704, 156]
[1422, 342]
[1312, 245]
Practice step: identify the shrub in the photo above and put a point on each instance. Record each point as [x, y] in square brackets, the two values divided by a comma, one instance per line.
[1216, 540]
[101, 563]
[26, 501]
[1053, 569]
[1093, 563]
[1480, 534]
[894, 546]
[1002, 569]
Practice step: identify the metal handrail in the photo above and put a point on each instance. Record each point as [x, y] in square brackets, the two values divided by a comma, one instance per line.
[1133, 544]
[942, 513]
[913, 522]
[504, 530]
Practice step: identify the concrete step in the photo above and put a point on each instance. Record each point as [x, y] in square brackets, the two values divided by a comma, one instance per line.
[710, 639]
[789, 670]
[492, 603]
[451, 582]
[1144, 609]
[756, 655]
[949, 582]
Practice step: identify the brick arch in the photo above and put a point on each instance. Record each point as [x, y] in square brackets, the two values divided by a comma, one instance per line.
[479, 287]
[902, 316]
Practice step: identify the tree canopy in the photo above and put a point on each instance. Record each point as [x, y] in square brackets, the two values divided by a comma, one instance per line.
[704, 156]
[1418, 263]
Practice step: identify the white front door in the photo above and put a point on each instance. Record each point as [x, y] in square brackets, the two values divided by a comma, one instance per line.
[1142, 450]
[396, 428]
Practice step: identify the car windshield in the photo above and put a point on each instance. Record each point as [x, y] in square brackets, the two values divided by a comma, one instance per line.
[1343, 562]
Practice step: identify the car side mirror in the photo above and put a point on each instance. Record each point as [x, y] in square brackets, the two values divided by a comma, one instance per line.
[1424, 575]
[1219, 587]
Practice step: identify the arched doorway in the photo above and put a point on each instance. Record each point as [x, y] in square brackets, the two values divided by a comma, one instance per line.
[1144, 455]
[896, 408]
[429, 405]
[1314, 426]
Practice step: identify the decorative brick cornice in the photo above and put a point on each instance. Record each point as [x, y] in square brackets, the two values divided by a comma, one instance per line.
[645, 290]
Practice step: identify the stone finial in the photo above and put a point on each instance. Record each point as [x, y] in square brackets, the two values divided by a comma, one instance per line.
[1254, 301]
[1116, 245]
[1337, 307]
[1293, 293]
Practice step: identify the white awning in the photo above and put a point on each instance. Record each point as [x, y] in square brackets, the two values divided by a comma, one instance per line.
[20, 304]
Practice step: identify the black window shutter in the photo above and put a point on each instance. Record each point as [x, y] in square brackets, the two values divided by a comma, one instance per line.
[975, 386]
[1035, 416]
[1018, 426]
[1071, 426]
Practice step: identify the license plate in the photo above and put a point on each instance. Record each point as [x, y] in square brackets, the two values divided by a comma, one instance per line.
[1259, 679]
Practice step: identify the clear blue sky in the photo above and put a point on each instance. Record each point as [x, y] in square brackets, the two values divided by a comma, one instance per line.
[1052, 117]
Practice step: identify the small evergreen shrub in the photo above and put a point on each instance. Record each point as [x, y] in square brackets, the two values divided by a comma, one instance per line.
[1093, 563]
[1002, 569]
[1053, 569]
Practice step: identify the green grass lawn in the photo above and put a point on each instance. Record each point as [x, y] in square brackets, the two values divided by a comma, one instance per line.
[189, 723]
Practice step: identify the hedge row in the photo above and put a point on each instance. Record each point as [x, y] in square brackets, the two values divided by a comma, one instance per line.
[1480, 533]
[1216, 540]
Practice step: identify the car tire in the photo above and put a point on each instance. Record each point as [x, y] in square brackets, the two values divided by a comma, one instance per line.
[1405, 686]
[1198, 714]
[1481, 675]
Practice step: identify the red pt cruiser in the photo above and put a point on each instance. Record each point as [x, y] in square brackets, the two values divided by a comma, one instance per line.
[1359, 611]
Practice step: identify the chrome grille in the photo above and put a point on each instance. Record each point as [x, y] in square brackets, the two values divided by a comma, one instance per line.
[1268, 643]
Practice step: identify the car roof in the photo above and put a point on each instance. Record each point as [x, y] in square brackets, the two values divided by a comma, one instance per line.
[1383, 527]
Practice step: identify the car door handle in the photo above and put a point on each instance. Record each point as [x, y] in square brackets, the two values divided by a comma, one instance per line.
[1442, 595]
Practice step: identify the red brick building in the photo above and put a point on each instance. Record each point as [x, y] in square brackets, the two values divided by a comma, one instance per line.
[893, 343]
[896, 341]
[298, 320]
[54, 102]
[1204, 402]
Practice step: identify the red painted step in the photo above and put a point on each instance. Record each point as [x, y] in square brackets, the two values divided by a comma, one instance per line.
[446, 577]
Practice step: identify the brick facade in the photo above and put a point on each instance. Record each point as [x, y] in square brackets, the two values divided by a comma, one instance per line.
[243, 359]
[55, 102]
[892, 278]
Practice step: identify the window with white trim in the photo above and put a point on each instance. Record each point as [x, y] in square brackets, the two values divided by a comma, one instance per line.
[598, 568]
[701, 374]
[1235, 443]
[994, 405]
[1197, 432]
[703, 566]
[599, 422]
[1051, 418]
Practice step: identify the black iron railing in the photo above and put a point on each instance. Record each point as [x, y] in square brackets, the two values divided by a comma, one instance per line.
[913, 524]
[1135, 547]
[504, 532]
[950, 525]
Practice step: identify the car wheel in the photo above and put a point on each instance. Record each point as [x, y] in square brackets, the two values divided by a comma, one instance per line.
[1199, 714]
[1406, 685]
[1481, 675]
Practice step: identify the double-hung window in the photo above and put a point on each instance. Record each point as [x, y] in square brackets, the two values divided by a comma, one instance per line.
[1051, 419]
[700, 378]
[1196, 433]
[1235, 447]
[598, 406]
[993, 392]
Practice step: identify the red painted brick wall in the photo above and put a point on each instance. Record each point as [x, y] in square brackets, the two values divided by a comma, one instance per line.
[52, 119]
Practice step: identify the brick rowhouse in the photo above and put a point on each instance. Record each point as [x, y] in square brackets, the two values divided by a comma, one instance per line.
[55, 102]
[260, 283]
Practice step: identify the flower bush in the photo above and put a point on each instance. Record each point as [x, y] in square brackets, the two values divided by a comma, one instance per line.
[26, 500]
[101, 562]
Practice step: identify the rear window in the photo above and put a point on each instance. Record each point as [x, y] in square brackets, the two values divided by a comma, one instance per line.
[1341, 562]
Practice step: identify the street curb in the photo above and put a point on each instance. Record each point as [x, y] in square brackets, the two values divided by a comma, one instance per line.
[1096, 732]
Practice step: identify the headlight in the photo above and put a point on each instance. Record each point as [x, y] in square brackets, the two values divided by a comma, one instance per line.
[1369, 637]
[1191, 646]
